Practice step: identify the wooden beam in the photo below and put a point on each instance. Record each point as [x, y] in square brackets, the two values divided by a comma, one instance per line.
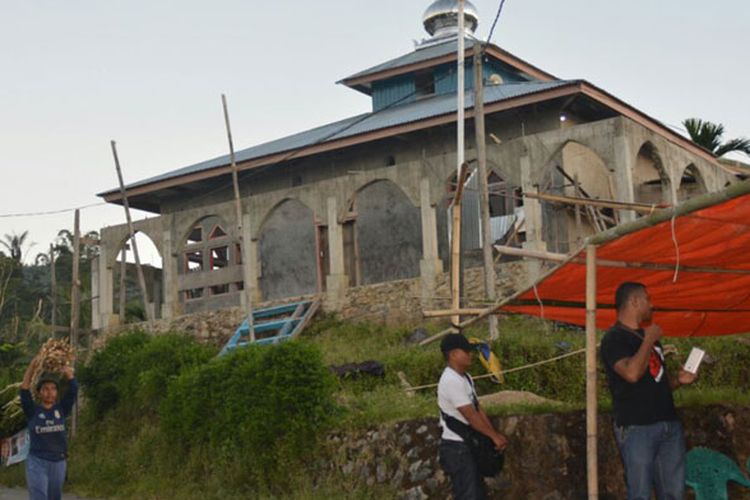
[131, 233]
[559, 257]
[484, 192]
[590, 202]
[444, 313]
[456, 243]
[591, 402]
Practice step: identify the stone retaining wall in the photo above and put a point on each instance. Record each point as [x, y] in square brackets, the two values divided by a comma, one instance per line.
[545, 459]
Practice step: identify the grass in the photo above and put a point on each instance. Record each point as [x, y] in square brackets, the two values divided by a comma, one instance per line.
[125, 455]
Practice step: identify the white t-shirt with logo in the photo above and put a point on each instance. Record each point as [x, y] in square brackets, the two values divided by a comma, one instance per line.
[454, 391]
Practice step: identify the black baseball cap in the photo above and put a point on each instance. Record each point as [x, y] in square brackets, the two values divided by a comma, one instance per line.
[455, 341]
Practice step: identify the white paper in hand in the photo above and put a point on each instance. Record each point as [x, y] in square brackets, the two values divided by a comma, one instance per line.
[694, 360]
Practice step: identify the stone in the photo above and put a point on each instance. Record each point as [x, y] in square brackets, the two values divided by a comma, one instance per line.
[422, 429]
[412, 453]
[416, 493]
[417, 336]
[419, 471]
[405, 439]
[381, 473]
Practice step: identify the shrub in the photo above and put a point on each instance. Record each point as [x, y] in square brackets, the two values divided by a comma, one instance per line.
[135, 369]
[259, 404]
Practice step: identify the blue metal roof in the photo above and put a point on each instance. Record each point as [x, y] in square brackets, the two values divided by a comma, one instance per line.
[361, 124]
[419, 55]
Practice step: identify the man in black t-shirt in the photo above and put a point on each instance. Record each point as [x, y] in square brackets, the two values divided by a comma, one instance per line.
[647, 429]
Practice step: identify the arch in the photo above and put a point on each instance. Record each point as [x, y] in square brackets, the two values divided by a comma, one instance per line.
[202, 230]
[126, 283]
[651, 183]
[692, 183]
[387, 234]
[288, 250]
[576, 171]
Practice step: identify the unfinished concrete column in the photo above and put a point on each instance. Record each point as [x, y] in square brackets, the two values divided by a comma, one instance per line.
[430, 266]
[249, 261]
[170, 259]
[624, 164]
[95, 318]
[106, 283]
[337, 281]
[533, 218]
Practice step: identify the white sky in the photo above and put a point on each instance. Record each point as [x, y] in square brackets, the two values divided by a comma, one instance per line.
[75, 74]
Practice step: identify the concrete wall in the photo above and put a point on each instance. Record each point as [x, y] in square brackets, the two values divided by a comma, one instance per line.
[406, 234]
[389, 233]
[288, 249]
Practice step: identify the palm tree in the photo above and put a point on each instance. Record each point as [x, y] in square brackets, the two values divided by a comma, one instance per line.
[709, 135]
[14, 243]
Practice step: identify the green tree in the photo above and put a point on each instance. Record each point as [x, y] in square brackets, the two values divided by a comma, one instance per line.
[709, 135]
[14, 243]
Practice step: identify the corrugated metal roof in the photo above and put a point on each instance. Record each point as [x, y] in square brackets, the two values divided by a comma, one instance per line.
[419, 55]
[361, 124]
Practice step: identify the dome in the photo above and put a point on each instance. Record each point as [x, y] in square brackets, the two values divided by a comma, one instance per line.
[441, 18]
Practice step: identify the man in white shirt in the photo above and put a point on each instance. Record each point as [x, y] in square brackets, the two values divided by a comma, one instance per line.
[457, 399]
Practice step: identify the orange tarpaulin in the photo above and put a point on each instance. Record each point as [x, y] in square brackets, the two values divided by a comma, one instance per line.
[711, 232]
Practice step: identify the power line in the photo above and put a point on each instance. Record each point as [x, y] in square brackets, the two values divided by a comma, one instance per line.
[51, 212]
[494, 23]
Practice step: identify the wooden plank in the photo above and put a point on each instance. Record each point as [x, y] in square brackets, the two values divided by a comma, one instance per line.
[451, 312]
[309, 315]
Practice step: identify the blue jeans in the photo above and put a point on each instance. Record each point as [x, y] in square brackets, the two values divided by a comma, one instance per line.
[458, 462]
[44, 478]
[654, 458]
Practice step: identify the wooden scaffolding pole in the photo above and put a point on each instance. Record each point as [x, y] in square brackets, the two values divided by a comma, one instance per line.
[246, 286]
[590, 202]
[75, 303]
[131, 233]
[591, 403]
[53, 286]
[484, 193]
[456, 244]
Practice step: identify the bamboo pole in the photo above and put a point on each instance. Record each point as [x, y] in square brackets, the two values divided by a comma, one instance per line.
[560, 257]
[131, 232]
[53, 286]
[591, 403]
[688, 207]
[75, 304]
[456, 244]
[443, 313]
[238, 213]
[484, 195]
[589, 202]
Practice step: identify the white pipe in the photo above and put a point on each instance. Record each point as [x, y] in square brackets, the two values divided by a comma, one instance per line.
[460, 86]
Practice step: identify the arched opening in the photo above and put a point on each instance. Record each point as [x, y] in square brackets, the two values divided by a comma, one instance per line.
[576, 174]
[288, 247]
[651, 183]
[209, 266]
[128, 304]
[382, 236]
[692, 184]
[506, 217]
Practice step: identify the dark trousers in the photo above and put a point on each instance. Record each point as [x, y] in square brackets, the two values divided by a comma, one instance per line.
[457, 461]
